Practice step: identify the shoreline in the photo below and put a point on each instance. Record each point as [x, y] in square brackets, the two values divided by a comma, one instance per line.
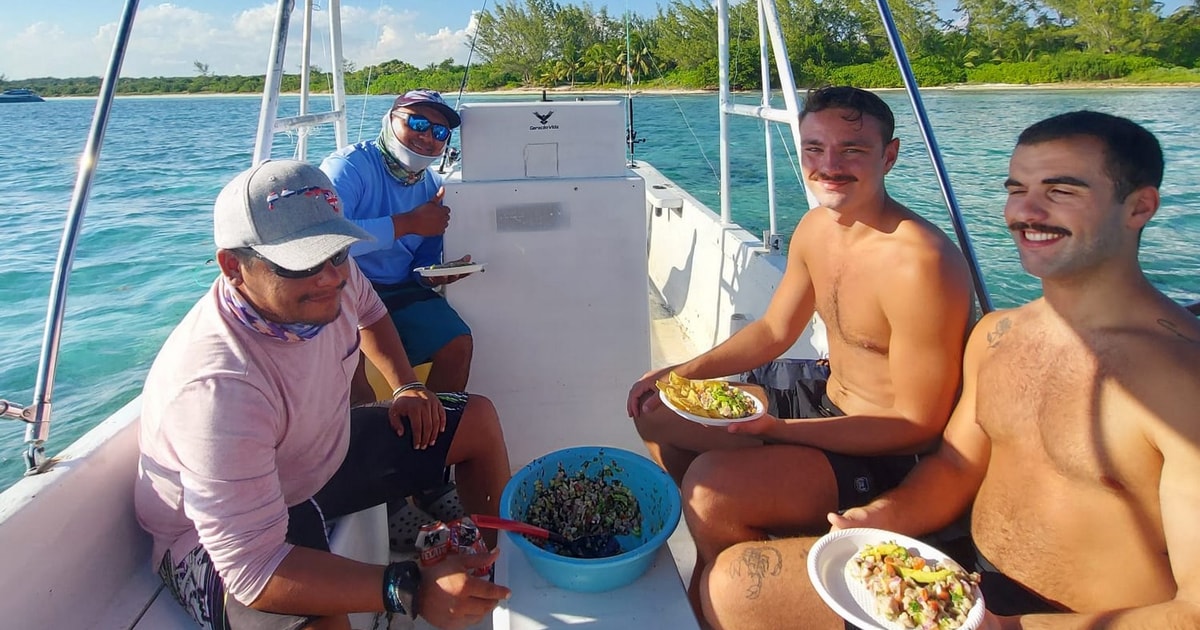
[593, 91]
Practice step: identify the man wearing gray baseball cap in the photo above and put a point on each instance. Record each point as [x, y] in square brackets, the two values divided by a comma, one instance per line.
[248, 443]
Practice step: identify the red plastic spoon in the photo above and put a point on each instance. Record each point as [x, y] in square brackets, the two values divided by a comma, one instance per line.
[593, 546]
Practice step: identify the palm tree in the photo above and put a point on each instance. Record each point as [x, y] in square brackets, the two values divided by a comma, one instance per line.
[639, 61]
[600, 61]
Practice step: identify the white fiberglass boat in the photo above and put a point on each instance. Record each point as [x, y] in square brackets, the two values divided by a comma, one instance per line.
[597, 269]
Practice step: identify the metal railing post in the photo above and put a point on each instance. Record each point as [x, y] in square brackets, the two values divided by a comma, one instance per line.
[770, 238]
[270, 102]
[38, 430]
[723, 100]
[935, 155]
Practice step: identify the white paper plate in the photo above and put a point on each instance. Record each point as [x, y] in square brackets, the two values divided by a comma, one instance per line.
[759, 410]
[436, 271]
[827, 564]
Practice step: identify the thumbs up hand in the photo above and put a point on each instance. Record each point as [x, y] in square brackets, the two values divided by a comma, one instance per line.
[428, 219]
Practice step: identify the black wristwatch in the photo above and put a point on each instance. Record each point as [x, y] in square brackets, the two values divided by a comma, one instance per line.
[400, 583]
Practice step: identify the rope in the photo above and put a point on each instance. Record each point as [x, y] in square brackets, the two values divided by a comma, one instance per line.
[712, 169]
[787, 149]
[362, 114]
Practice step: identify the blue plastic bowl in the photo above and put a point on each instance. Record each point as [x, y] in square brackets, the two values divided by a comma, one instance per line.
[656, 494]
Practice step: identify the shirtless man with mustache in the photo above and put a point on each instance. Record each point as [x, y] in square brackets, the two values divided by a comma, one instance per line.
[1075, 446]
[895, 295]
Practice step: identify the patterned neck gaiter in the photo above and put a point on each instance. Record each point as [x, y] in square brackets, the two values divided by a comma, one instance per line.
[237, 306]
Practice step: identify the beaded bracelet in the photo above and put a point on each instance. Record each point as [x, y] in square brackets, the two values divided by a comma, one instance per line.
[406, 387]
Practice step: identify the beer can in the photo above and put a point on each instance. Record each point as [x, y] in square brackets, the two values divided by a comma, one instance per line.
[433, 542]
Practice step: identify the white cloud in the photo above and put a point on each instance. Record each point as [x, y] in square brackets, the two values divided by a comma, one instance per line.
[168, 39]
[46, 50]
[384, 34]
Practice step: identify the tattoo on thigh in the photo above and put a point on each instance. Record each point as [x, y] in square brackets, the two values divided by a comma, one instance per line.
[1170, 325]
[1002, 326]
[757, 563]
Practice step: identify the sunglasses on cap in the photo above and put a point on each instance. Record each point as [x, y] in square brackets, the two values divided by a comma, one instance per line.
[336, 260]
[421, 124]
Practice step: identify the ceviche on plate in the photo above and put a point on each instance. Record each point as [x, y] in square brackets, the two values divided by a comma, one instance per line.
[882, 580]
[913, 591]
[708, 402]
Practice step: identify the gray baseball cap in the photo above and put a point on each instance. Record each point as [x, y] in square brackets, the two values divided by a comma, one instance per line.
[285, 210]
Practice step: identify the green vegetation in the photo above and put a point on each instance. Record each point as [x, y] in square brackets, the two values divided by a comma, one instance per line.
[541, 43]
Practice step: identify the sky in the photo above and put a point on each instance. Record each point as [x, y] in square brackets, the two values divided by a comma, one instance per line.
[73, 38]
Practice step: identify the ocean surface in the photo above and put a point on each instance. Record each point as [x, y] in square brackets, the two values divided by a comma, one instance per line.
[144, 255]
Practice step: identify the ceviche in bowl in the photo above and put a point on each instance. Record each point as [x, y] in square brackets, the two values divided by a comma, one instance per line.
[592, 492]
[912, 591]
[708, 402]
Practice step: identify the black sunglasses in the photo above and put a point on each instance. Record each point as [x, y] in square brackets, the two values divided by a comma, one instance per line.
[336, 260]
[421, 124]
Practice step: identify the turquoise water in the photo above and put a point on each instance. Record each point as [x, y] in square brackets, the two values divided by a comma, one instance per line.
[147, 235]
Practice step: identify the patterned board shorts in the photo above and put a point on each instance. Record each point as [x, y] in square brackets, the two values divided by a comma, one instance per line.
[380, 466]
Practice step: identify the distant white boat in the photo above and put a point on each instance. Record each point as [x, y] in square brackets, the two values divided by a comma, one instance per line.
[20, 95]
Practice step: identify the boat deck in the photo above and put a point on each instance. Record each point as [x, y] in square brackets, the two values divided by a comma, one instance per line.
[656, 598]
[669, 345]
[659, 594]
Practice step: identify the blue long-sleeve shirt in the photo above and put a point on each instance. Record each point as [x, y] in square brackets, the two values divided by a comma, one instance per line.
[370, 196]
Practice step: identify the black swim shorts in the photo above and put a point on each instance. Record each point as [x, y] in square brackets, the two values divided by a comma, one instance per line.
[797, 388]
[1003, 595]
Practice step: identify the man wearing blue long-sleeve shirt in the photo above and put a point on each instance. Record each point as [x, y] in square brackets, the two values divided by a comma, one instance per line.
[387, 189]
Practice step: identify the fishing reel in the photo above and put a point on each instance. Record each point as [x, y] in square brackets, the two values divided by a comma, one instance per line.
[449, 157]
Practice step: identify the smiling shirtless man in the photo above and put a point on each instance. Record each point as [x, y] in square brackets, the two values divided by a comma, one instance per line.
[895, 295]
[1077, 435]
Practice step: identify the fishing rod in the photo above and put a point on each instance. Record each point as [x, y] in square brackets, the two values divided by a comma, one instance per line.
[631, 139]
[450, 153]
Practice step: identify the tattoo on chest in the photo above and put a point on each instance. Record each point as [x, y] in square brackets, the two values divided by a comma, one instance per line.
[1170, 325]
[757, 563]
[1002, 326]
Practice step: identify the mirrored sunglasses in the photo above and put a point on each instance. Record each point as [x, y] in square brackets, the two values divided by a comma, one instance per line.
[336, 260]
[421, 124]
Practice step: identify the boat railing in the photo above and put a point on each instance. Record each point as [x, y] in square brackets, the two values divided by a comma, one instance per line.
[269, 122]
[38, 414]
[770, 31]
[935, 155]
[770, 41]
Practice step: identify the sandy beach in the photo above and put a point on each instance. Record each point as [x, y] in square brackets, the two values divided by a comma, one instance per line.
[560, 91]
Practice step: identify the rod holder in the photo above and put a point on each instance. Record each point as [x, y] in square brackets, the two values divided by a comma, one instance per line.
[13, 411]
